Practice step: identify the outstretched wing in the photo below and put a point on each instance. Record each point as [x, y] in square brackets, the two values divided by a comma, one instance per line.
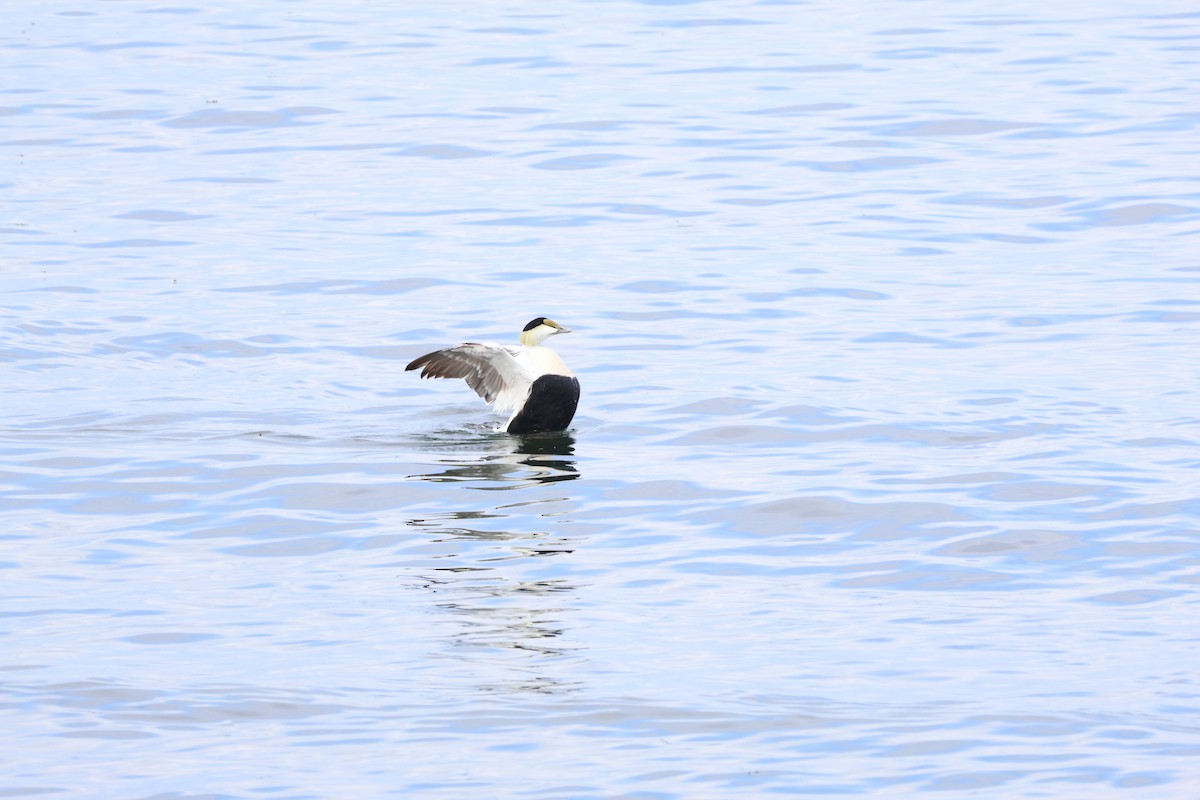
[490, 369]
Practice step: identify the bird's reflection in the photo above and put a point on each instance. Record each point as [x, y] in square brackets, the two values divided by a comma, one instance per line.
[519, 629]
[496, 568]
[509, 461]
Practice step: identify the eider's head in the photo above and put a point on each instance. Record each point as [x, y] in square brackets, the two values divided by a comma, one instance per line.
[539, 329]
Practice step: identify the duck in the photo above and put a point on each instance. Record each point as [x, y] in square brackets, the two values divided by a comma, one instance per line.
[531, 381]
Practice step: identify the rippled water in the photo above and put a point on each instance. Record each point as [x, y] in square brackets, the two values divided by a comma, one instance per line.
[885, 478]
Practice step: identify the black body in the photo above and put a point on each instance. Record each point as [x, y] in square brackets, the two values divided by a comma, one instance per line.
[550, 407]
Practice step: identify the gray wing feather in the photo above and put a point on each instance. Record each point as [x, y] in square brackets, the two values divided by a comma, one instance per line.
[489, 369]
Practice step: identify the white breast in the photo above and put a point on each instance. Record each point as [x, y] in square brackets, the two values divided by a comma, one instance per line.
[541, 360]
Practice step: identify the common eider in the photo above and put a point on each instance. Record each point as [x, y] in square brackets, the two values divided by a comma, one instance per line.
[530, 380]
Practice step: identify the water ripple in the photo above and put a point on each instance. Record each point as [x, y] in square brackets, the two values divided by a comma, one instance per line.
[882, 481]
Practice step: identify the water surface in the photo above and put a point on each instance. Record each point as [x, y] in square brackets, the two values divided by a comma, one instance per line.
[884, 481]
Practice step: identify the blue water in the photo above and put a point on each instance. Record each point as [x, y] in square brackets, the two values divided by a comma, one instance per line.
[885, 481]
